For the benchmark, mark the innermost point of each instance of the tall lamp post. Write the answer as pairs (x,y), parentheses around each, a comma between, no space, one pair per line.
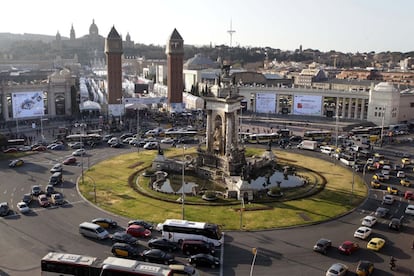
(254,251)
(81,126)
(182,185)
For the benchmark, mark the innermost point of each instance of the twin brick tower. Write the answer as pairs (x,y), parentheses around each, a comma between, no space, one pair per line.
(223,156)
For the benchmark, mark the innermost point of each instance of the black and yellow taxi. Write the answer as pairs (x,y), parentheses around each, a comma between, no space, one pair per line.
(364,268)
(375,184)
(125,250)
(105,222)
(16,163)
(405,182)
(392,190)
(378,176)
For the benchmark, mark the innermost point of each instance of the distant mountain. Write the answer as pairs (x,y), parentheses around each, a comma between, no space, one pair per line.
(7,39)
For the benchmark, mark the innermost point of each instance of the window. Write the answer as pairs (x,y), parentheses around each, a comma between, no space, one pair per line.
(60,105)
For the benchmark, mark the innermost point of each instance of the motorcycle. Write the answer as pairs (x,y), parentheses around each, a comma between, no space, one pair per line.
(392,263)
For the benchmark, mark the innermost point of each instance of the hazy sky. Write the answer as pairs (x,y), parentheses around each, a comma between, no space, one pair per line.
(342,25)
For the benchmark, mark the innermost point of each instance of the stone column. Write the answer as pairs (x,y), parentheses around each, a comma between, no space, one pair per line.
(209,131)
(349,108)
(355,115)
(228,133)
(361,116)
(343,108)
(5,106)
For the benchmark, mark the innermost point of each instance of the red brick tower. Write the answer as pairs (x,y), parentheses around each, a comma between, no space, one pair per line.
(175,57)
(113,51)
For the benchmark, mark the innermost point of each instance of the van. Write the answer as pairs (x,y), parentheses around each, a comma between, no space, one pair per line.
(327,149)
(92,230)
(192,247)
(56,178)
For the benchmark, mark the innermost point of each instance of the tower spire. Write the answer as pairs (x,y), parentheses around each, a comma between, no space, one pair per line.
(231,32)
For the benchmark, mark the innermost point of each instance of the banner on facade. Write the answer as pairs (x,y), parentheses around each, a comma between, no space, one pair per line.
(265,102)
(27,104)
(307,105)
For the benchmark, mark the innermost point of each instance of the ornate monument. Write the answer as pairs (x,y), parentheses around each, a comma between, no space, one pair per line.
(223,156)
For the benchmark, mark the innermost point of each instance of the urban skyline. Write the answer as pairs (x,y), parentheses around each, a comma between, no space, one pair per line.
(346,26)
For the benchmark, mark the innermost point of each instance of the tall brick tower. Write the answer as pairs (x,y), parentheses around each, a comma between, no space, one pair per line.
(113,51)
(175,57)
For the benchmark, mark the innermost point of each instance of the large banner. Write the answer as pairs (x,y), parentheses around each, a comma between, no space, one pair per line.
(28,104)
(265,102)
(307,105)
(116,109)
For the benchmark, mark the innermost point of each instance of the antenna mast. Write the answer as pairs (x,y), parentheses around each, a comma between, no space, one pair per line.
(231,32)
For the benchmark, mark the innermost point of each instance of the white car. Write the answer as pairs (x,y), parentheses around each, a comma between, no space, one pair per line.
(388,199)
(369,221)
(79,152)
(400,174)
(23,207)
(410,209)
(337,269)
(363,232)
(56,168)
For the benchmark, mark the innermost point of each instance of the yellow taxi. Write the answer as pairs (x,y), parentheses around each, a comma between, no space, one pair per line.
(376,244)
(378,176)
(105,222)
(406,161)
(375,184)
(405,182)
(392,190)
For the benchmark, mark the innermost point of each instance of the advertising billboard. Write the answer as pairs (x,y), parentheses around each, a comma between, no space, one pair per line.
(307,105)
(265,102)
(27,104)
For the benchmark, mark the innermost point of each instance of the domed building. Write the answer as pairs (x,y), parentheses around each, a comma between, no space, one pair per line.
(384,102)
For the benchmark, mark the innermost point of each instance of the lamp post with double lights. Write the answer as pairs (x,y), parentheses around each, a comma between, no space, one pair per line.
(182,185)
(82,127)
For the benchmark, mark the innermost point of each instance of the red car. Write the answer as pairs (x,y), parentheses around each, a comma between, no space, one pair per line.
(348,247)
(409,195)
(10,150)
(69,161)
(138,231)
(39,148)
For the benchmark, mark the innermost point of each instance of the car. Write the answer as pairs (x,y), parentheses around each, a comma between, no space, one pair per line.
(348,247)
(203,259)
(375,184)
(395,224)
(192,247)
(376,244)
(364,268)
(369,221)
(151,145)
(27,198)
(58,147)
(79,152)
(56,168)
(10,150)
(39,148)
(4,209)
(372,167)
(392,190)
(406,161)
(168,140)
(125,250)
(23,207)
(405,182)
(388,199)
(163,244)
(57,199)
(49,190)
(322,246)
(408,195)
(381,212)
(138,231)
(337,269)
(157,256)
(69,161)
(124,237)
(400,174)
(378,176)
(36,190)
(16,163)
(143,223)
(76,145)
(409,210)
(363,232)
(43,200)
(105,222)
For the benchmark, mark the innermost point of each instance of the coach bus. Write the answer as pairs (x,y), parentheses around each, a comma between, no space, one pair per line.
(318,135)
(178,230)
(64,264)
(262,138)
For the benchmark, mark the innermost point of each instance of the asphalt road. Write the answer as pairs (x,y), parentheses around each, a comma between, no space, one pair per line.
(25,239)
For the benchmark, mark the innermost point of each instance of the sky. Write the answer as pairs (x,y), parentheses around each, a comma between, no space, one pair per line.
(348,26)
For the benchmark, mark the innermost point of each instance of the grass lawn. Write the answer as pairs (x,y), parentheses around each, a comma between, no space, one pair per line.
(115,195)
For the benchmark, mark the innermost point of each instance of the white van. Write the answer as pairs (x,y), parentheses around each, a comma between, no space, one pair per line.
(92,230)
(327,150)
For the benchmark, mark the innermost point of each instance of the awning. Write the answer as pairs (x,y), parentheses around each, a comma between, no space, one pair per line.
(89,105)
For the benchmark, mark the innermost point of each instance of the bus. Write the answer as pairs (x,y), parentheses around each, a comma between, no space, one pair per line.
(318,135)
(85,138)
(65,264)
(262,138)
(15,143)
(178,230)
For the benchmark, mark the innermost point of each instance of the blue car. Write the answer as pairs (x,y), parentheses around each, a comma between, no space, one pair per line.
(58,147)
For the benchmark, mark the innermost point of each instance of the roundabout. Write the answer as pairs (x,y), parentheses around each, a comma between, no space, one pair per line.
(122,189)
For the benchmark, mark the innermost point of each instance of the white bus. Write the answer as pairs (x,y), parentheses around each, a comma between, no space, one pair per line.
(64,264)
(178,230)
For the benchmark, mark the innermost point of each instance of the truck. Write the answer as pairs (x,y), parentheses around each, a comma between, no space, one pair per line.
(308,145)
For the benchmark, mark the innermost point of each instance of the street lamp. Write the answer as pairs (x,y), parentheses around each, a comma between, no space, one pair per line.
(182,185)
(382,125)
(254,251)
(81,126)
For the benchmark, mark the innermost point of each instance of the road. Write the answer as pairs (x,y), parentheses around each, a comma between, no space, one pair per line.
(25,239)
